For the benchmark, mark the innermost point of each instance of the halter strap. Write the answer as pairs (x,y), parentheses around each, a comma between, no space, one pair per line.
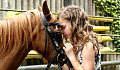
(45,25)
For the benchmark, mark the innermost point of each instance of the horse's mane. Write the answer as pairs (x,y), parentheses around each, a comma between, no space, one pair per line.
(18,31)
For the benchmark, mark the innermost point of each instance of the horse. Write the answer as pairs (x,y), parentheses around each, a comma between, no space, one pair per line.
(22,33)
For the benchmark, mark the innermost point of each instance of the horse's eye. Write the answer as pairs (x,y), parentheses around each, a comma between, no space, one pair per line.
(54,27)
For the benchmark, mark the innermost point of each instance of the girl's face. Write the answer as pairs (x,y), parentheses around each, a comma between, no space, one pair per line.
(65,28)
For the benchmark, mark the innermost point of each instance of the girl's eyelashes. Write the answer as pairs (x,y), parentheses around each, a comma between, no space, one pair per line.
(63,27)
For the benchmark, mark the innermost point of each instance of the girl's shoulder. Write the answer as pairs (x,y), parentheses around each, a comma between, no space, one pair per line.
(90,48)
(97,60)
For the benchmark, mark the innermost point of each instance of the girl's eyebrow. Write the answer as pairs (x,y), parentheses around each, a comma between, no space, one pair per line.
(63,25)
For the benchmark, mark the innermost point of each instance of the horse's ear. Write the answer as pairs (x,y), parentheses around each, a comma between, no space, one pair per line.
(39,8)
(45,8)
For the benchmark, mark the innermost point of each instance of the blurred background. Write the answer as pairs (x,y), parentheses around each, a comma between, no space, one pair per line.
(104,15)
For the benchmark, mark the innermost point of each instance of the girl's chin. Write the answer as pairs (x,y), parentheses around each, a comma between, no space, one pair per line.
(66,37)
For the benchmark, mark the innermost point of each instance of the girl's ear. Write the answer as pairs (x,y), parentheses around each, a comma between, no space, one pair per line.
(45,8)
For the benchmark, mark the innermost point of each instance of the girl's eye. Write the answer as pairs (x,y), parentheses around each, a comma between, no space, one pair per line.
(62,27)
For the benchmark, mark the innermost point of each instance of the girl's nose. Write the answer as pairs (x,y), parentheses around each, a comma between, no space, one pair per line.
(62,31)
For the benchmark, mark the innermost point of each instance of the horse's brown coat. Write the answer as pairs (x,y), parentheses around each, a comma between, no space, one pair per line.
(22,33)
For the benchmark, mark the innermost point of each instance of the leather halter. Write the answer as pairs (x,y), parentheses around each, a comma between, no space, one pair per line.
(48,30)
(60,57)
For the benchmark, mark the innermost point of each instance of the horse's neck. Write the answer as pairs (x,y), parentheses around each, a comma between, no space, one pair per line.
(13,59)
(18,35)
(14,42)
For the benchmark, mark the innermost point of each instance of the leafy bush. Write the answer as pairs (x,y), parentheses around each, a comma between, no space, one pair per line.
(111,8)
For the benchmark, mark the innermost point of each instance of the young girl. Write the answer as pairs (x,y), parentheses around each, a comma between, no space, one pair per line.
(82,47)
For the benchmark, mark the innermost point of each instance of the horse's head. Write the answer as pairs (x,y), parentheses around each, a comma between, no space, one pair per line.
(39,41)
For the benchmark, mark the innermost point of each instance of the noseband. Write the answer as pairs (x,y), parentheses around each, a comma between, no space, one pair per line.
(60,57)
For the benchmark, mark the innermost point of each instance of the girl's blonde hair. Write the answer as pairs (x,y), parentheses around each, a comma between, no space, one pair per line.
(80,27)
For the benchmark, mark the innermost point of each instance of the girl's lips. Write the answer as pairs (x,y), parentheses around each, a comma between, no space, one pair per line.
(64,35)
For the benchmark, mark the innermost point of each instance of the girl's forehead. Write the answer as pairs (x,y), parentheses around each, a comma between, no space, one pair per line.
(63,21)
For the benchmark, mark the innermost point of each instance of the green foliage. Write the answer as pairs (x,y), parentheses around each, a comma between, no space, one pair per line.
(111,8)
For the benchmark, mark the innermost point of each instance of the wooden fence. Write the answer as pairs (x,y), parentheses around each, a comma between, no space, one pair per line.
(55,5)
(111,57)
